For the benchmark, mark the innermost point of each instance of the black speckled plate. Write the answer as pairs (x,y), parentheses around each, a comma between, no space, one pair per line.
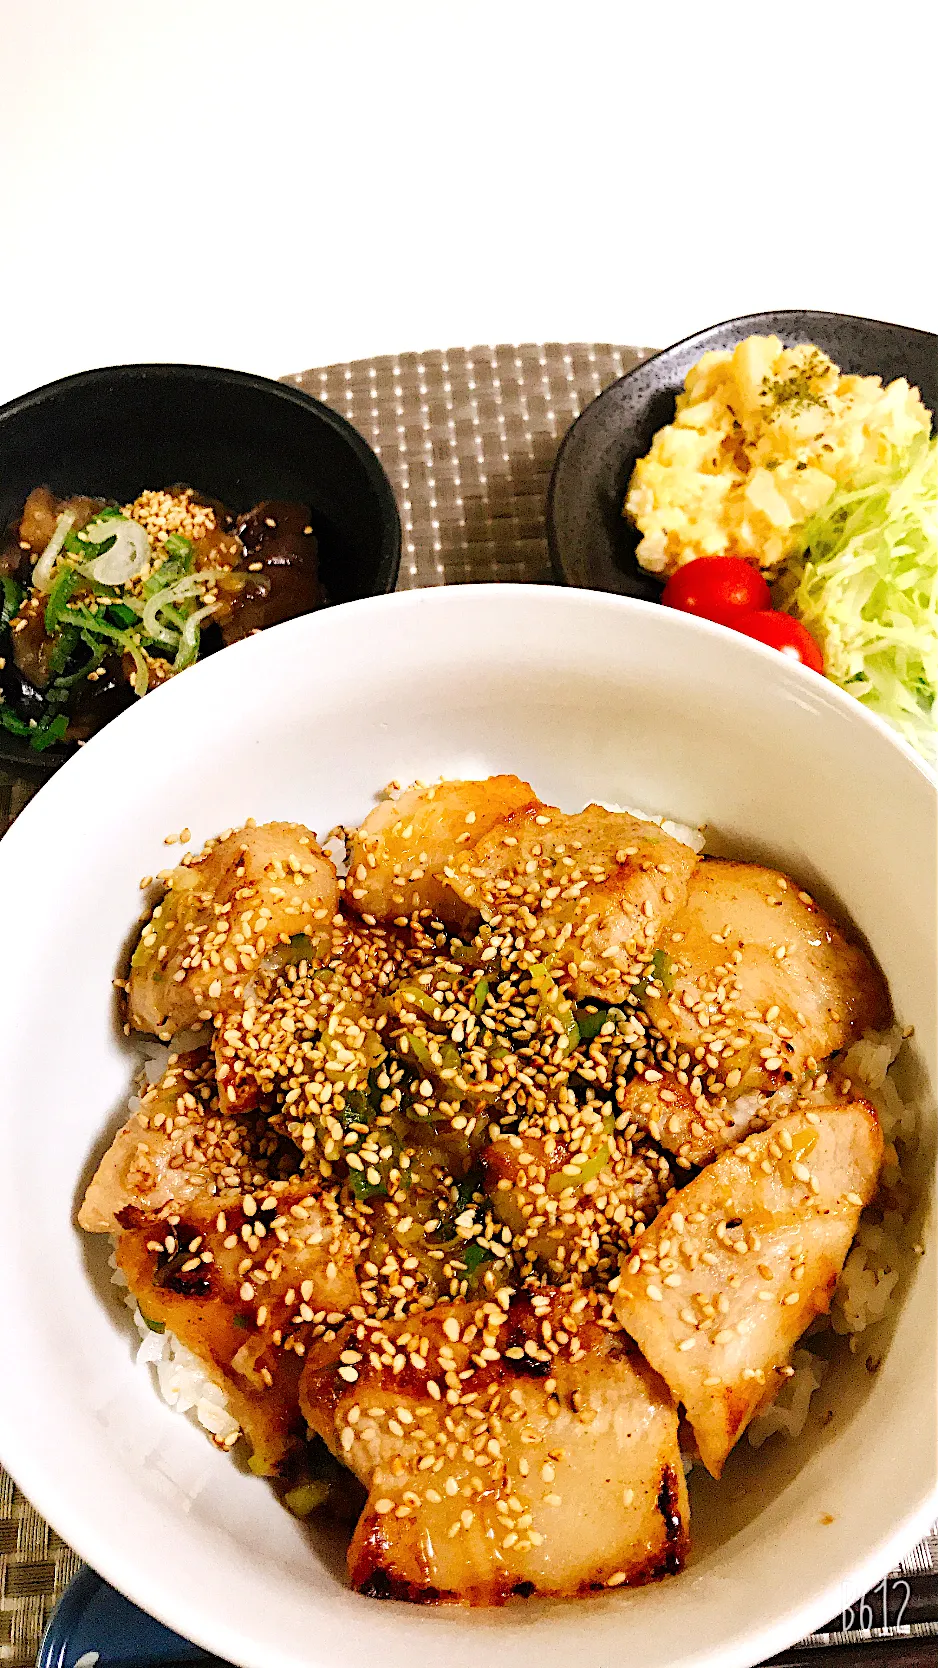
(591,543)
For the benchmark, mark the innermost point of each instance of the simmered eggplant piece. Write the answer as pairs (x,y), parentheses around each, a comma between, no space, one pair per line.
(280,567)
(41,512)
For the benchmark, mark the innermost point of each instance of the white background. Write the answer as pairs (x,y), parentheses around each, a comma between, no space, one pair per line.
(274,184)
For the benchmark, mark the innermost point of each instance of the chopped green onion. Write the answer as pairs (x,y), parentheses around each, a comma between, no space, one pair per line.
(74,545)
(363,1188)
(46,735)
(415,996)
(62,650)
(305,1499)
(175,567)
(155,1326)
(554,1003)
(128,549)
(119,614)
(466,954)
(64,646)
(140,682)
(10,721)
(42,572)
(419,1051)
(62,587)
(480,992)
(472,1184)
(474,1256)
(151,622)
(10,599)
(662,970)
(592,1166)
(188,650)
(589,1024)
(180,549)
(93,625)
(357,1109)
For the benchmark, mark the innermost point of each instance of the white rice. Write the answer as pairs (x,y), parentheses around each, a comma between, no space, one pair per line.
(180,1377)
(788,1413)
(683,831)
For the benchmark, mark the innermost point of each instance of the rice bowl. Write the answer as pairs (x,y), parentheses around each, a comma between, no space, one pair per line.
(229,1574)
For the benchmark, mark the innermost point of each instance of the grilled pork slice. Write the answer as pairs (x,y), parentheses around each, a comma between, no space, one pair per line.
(240,900)
(759,979)
(695,1127)
(573,1208)
(598,887)
(397,857)
(176,1147)
(719,1289)
(247,1282)
(518,1448)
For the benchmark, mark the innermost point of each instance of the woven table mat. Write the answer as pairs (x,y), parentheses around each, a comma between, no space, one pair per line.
(468,437)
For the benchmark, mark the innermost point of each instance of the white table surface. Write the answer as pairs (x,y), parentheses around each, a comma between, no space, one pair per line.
(272,184)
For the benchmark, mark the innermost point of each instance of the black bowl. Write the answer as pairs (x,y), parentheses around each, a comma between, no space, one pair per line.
(232,436)
(591,543)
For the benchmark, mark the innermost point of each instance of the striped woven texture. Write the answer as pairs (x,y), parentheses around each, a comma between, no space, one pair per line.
(468,437)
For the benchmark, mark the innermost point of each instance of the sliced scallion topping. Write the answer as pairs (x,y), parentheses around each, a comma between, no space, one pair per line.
(125,557)
(11,595)
(48,733)
(62,587)
(42,572)
(16,726)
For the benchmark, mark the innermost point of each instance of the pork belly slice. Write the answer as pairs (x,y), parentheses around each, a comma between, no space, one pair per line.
(718,1291)
(694,1127)
(247,1282)
(176,1147)
(597,888)
(551,1467)
(398,855)
(243,898)
(573,1222)
(758,980)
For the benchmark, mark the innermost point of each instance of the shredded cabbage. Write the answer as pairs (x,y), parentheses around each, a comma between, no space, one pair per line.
(863,580)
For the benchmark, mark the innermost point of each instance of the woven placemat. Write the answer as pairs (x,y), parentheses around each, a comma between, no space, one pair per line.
(468,437)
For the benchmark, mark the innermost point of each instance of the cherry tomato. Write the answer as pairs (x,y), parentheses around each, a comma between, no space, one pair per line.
(782,632)
(719,588)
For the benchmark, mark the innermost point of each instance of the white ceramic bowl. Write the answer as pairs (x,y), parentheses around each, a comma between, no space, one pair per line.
(588,696)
